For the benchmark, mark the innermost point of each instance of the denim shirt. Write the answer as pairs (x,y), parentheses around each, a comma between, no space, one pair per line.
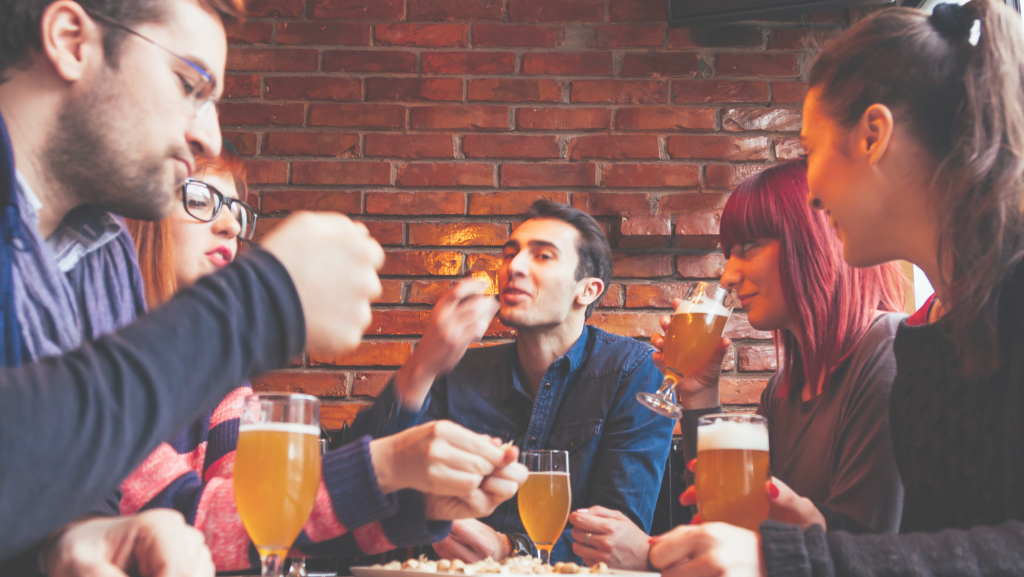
(586,405)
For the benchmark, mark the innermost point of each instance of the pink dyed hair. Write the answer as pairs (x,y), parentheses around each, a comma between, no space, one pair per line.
(832,303)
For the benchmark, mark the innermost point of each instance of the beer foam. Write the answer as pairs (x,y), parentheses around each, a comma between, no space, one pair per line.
(731,435)
(705,307)
(283,427)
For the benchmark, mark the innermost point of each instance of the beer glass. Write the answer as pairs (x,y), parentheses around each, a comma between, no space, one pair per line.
(545,498)
(277,471)
(732,468)
(690,342)
(298,564)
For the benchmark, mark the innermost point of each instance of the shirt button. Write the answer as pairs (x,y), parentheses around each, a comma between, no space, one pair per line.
(533,439)
(547,385)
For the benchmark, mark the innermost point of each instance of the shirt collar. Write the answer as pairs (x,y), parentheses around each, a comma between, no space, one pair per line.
(574,357)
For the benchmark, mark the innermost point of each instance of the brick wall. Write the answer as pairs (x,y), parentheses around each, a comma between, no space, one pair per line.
(437,122)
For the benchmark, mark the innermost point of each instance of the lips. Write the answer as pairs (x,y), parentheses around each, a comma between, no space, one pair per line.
(512,295)
(745,299)
(220,256)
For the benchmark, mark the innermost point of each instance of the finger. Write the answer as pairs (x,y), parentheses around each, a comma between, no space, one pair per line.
(593,524)
(589,555)
(689,496)
(499,490)
(692,465)
(678,545)
(676,303)
(665,321)
(466,288)
(469,442)
(452,549)
(474,535)
(608,513)
(697,519)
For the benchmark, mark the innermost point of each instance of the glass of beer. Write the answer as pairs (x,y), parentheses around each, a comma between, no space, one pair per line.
(732,468)
(690,342)
(277,471)
(545,498)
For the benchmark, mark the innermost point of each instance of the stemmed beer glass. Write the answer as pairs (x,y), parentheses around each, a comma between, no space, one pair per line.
(690,342)
(545,498)
(277,471)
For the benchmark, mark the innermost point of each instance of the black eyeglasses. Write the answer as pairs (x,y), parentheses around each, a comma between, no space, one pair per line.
(203,202)
(197,84)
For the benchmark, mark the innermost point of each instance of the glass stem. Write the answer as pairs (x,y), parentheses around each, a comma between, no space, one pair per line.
(273,565)
(545,555)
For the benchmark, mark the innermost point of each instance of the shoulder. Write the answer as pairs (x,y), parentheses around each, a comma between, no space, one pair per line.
(609,353)
(873,363)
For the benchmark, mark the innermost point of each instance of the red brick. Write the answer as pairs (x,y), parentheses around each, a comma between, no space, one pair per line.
(369,353)
(771,119)
(321,200)
(266,171)
(410,145)
(415,203)
(788,148)
(386,233)
(638,11)
(428,292)
(612,204)
(788,92)
(688,201)
(461,116)
(329,33)
(251,113)
(469,62)
(438,175)
(357,115)
(318,383)
(800,38)
(423,263)
(739,328)
(661,175)
(757,359)
(370,383)
(613,147)
(457,234)
(244,142)
(501,146)
(701,266)
(314,88)
(515,90)
(336,415)
(503,35)
(718,147)
(413,89)
(729,175)
(538,175)
(698,223)
(398,322)
(369,61)
(705,91)
(274,8)
(272,60)
(626,324)
(748,64)
(670,118)
(335,144)
(559,11)
(619,92)
(654,296)
(729,362)
(563,118)
(391,292)
(568,63)
(483,263)
(642,266)
(680,38)
(358,9)
(506,203)
(659,64)
(643,231)
(422,35)
(241,85)
(613,297)
(454,10)
(627,36)
(345,172)
(742,391)
(250,33)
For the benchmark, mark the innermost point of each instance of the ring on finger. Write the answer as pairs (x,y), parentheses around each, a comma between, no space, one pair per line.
(587,540)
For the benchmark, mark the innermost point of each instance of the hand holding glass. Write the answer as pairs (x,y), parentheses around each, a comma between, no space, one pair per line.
(545,498)
(732,469)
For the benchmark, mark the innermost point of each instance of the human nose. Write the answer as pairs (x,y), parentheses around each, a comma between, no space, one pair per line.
(732,277)
(226,224)
(517,265)
(203,134)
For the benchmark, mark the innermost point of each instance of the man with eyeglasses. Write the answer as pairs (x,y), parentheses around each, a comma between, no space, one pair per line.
(104,105)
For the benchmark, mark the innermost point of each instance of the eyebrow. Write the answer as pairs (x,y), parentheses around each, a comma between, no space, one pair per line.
(532,244)
(198,61)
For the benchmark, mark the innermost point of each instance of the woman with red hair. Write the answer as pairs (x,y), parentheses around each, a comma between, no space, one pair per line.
(827,405)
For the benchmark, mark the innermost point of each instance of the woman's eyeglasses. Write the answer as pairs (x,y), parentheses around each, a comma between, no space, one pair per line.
(203,202)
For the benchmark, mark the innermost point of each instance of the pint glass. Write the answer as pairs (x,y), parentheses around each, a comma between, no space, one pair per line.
(690,342)
(545,498)
(277,471)
(732,468)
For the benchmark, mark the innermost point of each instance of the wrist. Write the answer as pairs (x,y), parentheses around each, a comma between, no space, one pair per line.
(412,383)
(706,398)
(382,458)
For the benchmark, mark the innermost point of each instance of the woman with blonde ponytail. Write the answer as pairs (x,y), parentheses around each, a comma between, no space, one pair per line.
(914,133)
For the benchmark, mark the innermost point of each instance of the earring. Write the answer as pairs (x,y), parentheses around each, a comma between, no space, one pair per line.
(816,203)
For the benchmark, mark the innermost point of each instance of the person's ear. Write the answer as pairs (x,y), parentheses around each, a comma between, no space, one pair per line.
(72,41)
(874,133)
(588,290)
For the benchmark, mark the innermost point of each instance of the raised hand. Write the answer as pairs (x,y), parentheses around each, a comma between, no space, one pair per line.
(698,390)
(495,489)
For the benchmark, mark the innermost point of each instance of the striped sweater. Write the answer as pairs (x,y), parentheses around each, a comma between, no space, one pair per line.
(192,474)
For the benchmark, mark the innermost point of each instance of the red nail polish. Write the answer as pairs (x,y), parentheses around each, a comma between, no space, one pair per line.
(773,491)
(692,464)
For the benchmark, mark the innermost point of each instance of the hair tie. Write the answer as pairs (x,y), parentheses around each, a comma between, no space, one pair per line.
(956,23)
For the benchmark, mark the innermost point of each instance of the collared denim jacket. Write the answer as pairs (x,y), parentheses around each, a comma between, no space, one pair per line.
(586,405)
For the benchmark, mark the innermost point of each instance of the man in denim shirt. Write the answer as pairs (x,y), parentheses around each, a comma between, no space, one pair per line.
(561,385)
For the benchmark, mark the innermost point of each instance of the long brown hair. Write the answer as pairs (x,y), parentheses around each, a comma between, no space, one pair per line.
(964,102)
(153,242)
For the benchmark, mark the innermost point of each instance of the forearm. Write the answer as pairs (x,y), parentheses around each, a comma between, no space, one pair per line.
(95,413)
(412,383)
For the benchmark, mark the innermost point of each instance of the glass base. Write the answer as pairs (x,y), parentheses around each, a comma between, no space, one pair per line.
(663,404)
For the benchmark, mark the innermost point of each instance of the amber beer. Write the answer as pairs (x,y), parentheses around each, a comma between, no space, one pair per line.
(693,336)
(732,468)
(544,502)
(277,472)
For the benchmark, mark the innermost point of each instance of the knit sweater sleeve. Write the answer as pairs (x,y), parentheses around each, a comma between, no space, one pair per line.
(978,551)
